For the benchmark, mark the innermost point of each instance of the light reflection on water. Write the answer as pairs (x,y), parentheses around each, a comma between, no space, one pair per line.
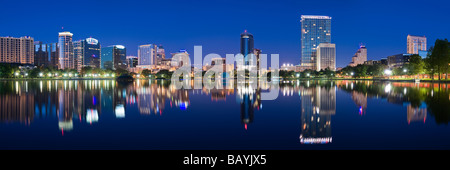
(307,109)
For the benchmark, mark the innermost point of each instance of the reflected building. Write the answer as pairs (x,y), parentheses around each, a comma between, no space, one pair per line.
(318,105)
(415,114)
(151,96)
(15,106)
(360,100)
(249,99)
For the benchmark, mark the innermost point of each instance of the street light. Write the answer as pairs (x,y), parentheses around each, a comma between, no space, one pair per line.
(388,72)
(41,74)
(352,73)
(404,70)
(298,75)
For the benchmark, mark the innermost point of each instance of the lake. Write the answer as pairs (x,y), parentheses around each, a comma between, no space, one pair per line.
(154,115)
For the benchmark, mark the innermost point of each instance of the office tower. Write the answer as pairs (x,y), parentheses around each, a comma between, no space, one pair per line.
(179,55)
(42,54)
(78,54)
(415,44)
(114,57)
(247,43)
(257,53)
(17,50)
(326,56)
(147,54)
(132,61)
(360,56)
(87,53)
(160,54)
(315,30)
(65,46)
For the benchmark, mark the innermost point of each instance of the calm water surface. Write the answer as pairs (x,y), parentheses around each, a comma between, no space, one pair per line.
(150,114)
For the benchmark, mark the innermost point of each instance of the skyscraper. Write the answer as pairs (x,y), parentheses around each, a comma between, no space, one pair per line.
(247,49)
(247,43)
(147,54)
(114,57)
(415,44)
(87,53)
(315,30)
(360,56)
(65,46)
(160,54)
(326,56)
(132,61)
(17,50)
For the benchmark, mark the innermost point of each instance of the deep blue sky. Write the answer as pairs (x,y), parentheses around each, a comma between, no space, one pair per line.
(216,24)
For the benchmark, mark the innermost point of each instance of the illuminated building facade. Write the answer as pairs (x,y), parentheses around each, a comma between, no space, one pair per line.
(326,56)
(66,55)
(46,54)
(17,50)
(114,57)
(416,44)
(360,56)
(87,53)
(315,30)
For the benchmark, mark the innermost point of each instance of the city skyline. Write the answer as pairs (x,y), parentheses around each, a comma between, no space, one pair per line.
(218,33)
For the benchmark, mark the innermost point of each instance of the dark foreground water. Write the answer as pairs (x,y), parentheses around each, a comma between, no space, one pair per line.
(147,114)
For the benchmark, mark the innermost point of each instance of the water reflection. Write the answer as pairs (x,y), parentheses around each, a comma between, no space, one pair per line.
(87,100)
(318,102)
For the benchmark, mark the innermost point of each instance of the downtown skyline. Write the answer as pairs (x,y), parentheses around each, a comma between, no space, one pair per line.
(384,34)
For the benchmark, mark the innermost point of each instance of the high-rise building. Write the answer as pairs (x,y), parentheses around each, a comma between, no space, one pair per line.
(315,30)
(326,56)
(160,54)
(247,43)
(87,53)
(65,47)
(46,54)
(360,56)
(179,55)
(114,57)
(17,50)
(247,49)
(132,61)
(415,44)
(147,54)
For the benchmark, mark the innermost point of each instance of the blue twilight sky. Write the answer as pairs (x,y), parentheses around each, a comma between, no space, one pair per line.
(381,25)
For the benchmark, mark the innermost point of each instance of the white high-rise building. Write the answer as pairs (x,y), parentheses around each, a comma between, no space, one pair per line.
(147,54)
(66,55)
(415,44)
(326,56)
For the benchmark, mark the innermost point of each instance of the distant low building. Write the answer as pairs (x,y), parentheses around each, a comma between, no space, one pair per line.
(288,67)
(372,62)
(395,61)
(360,56)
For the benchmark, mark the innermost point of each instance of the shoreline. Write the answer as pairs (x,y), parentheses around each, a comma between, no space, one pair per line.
(289,79)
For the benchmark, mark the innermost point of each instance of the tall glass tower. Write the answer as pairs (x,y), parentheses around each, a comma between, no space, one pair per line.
(247,45)
(315,30)
(66,56)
